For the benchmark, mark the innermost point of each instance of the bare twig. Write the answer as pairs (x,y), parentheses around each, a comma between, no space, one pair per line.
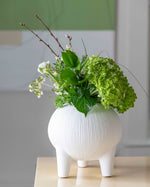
(84,47)
(136,80)
(70,38)
(49,31)
(22,24)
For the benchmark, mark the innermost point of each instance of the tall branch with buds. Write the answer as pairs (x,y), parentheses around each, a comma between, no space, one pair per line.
(70,38)
(41,40)
(49,31)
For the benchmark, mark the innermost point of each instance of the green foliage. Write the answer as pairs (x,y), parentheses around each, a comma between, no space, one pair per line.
(62,100)
(112,86)
(70,58)
(83,84)
(68,76)
(83,101)
(35,86)
(73,84)
(84,61)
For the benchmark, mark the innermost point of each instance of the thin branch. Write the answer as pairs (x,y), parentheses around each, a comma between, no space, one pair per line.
(22,24)
(84,47)
(70,38)
(136,80)
(47,85)
(49,31)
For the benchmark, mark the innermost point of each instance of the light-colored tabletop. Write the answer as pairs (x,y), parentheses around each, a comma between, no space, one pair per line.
(128,172)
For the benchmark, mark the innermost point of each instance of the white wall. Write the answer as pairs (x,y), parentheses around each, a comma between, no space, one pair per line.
(23,136)
(133,52)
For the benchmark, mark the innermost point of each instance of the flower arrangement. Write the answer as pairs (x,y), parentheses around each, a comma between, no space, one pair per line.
(83,83)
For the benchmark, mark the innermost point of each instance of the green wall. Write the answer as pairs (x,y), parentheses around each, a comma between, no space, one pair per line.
(58,14)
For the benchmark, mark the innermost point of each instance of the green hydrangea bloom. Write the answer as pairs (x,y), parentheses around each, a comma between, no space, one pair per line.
(113,87)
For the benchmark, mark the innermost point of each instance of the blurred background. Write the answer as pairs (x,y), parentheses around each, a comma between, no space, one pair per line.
(114,28)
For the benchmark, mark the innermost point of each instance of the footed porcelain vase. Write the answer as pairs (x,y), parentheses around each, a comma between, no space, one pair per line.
(81,138)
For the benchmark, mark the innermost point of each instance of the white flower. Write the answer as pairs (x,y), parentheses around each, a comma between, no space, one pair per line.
(54,73)
(43,80)
(30,86)
(39,70)
(57,58)
(67,47)
(38,96)
(45,71)
(58,93)
(66,35)
(39,86)
(40,79)
(56,85)
(31,90)
(42,66)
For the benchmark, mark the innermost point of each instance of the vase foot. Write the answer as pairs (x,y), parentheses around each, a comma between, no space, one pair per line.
(63,163)
(82,164)
(107,163)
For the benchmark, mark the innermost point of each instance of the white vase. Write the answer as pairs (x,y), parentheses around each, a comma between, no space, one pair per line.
(81,138)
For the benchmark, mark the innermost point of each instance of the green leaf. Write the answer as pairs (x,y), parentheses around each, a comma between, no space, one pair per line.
(83,92)
(69,77)
(62,100)
(83,63)
(71,59)
(72,91)
(83,104)
(84,80)
(84,47)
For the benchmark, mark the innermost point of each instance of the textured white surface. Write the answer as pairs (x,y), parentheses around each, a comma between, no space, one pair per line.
(84,138)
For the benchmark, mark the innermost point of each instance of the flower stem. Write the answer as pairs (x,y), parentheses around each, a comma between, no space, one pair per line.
(47,85)
(54,77)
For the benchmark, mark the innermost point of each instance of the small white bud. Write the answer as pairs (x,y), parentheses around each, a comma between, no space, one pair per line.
(30,90)
(42,66)
(57,58)
(30,86)
(54,73)
(56,85)
(40,86)
(67,47)
(38,96)
(58,93)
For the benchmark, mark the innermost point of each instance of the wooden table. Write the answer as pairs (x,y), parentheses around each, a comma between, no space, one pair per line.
(128,172)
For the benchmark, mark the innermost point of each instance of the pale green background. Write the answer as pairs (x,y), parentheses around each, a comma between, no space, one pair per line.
(58,14)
